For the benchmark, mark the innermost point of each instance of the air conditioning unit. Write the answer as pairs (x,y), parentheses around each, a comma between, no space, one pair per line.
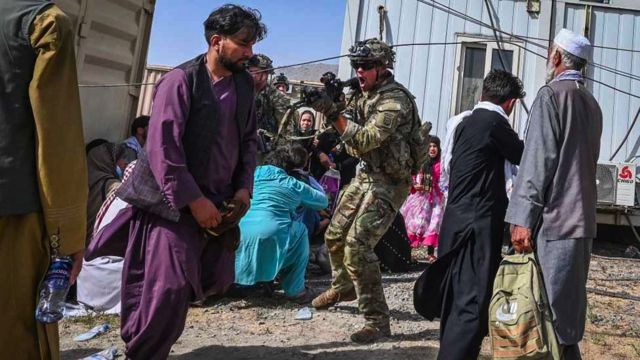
(616,184)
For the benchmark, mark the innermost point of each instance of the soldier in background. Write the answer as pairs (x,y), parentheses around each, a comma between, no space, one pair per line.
(378,132)
(271,104)
(281,83)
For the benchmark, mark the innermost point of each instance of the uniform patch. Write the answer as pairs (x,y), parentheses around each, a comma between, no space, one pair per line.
(387,121)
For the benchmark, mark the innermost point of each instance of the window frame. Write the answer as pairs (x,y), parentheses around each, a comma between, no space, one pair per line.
(465,41)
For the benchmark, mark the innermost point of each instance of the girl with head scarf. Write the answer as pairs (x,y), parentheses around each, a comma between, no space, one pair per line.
(422,210)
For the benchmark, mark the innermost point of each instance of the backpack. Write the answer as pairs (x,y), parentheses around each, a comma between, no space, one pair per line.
(419,141)
(520,319)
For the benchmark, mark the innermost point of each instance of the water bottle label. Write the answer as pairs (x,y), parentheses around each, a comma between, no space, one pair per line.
(58,274)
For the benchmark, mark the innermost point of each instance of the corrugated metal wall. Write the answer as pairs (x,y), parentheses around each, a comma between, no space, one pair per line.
(429,71)
(152,73)
(619,29)
(112,37)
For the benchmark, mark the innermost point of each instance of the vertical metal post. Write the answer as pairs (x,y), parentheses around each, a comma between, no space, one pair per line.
(381,12)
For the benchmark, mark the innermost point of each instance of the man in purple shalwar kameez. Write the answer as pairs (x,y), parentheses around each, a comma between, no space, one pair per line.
(200,151)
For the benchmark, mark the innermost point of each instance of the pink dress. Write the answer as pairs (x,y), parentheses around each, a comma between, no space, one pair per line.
(422,212)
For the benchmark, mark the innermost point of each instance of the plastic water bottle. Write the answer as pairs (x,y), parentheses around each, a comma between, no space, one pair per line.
(53,292)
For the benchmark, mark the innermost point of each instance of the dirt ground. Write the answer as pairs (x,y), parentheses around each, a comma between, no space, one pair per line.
(265,328)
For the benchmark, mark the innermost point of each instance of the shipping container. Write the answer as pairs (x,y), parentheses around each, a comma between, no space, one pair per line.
(112,38)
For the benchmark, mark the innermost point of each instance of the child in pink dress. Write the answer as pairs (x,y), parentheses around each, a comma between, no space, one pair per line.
(423,209)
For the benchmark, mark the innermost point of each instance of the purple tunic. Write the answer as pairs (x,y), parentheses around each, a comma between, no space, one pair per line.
(166,154)
(169,264)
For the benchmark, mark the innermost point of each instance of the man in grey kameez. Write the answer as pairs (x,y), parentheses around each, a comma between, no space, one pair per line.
(554,195)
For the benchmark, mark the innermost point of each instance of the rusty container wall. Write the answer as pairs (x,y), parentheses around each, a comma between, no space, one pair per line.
(152,75)
(112,38)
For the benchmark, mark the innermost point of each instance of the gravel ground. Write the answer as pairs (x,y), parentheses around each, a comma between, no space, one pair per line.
(265,328)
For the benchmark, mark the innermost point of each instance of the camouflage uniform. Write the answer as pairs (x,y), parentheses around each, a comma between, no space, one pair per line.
(378,134)
(271,106)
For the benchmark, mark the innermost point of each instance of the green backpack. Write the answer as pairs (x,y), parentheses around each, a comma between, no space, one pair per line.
(520,319)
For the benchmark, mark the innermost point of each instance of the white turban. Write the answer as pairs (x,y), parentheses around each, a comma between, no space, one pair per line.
(573,43)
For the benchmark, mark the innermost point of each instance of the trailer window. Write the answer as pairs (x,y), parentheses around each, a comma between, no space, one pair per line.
(476,58)
(472,76)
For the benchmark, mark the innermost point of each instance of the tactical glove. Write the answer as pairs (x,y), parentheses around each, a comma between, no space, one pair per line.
(326,106)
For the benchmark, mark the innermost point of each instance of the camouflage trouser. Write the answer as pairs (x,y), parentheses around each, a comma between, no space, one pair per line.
(364,213)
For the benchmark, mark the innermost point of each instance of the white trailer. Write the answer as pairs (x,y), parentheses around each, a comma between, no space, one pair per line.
(445,75)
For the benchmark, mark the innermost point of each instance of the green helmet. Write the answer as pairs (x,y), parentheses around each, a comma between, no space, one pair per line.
(372,50)
(261,61)
(281,79)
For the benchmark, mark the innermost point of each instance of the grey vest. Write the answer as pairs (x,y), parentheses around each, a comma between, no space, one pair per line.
(18,180)
(141,188)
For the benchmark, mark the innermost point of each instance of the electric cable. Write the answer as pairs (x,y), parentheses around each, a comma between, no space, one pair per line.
(626,136)
(466,17)
(500,50)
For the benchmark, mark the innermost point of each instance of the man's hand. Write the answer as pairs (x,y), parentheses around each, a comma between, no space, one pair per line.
(326,161)
(521,239)
(244,198)
(205,213)
(77,257)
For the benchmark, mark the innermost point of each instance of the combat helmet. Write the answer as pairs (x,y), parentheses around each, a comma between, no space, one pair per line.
(372,50)
(261,61)
(281,79)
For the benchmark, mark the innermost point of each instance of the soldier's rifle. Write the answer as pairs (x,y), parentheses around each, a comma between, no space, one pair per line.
(333,87)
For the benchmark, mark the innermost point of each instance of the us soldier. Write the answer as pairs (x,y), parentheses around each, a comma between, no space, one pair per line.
(271,104)
(281,83)
(378,132)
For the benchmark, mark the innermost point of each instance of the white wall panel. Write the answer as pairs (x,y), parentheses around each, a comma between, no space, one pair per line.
(428,71)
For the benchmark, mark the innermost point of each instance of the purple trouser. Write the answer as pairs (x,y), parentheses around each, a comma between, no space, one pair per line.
(167,265)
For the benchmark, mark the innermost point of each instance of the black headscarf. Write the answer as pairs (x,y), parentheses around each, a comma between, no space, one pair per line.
(427,167)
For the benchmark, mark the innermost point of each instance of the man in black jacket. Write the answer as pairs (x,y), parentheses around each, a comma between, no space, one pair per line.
(473,222)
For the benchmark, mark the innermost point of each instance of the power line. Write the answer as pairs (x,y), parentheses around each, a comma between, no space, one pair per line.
(500,56)
(626,136)
(445,43)
(300,64)
(523,47)
(593,45)
(113,85)
(454,12)
(435,4)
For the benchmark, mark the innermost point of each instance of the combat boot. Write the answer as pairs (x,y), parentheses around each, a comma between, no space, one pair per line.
(332,297)
(370,334)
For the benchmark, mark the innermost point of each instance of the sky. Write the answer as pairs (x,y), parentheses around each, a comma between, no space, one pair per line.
(298,30)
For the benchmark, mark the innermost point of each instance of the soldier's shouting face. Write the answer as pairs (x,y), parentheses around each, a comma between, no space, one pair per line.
(368,74)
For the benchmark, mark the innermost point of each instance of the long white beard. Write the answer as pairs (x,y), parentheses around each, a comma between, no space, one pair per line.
(551,71)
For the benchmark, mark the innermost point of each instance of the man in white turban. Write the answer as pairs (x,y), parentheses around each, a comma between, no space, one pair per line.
(553,204)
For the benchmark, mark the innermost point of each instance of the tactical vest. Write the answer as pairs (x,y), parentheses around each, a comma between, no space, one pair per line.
(18,179)
(393,157)
(141,189)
